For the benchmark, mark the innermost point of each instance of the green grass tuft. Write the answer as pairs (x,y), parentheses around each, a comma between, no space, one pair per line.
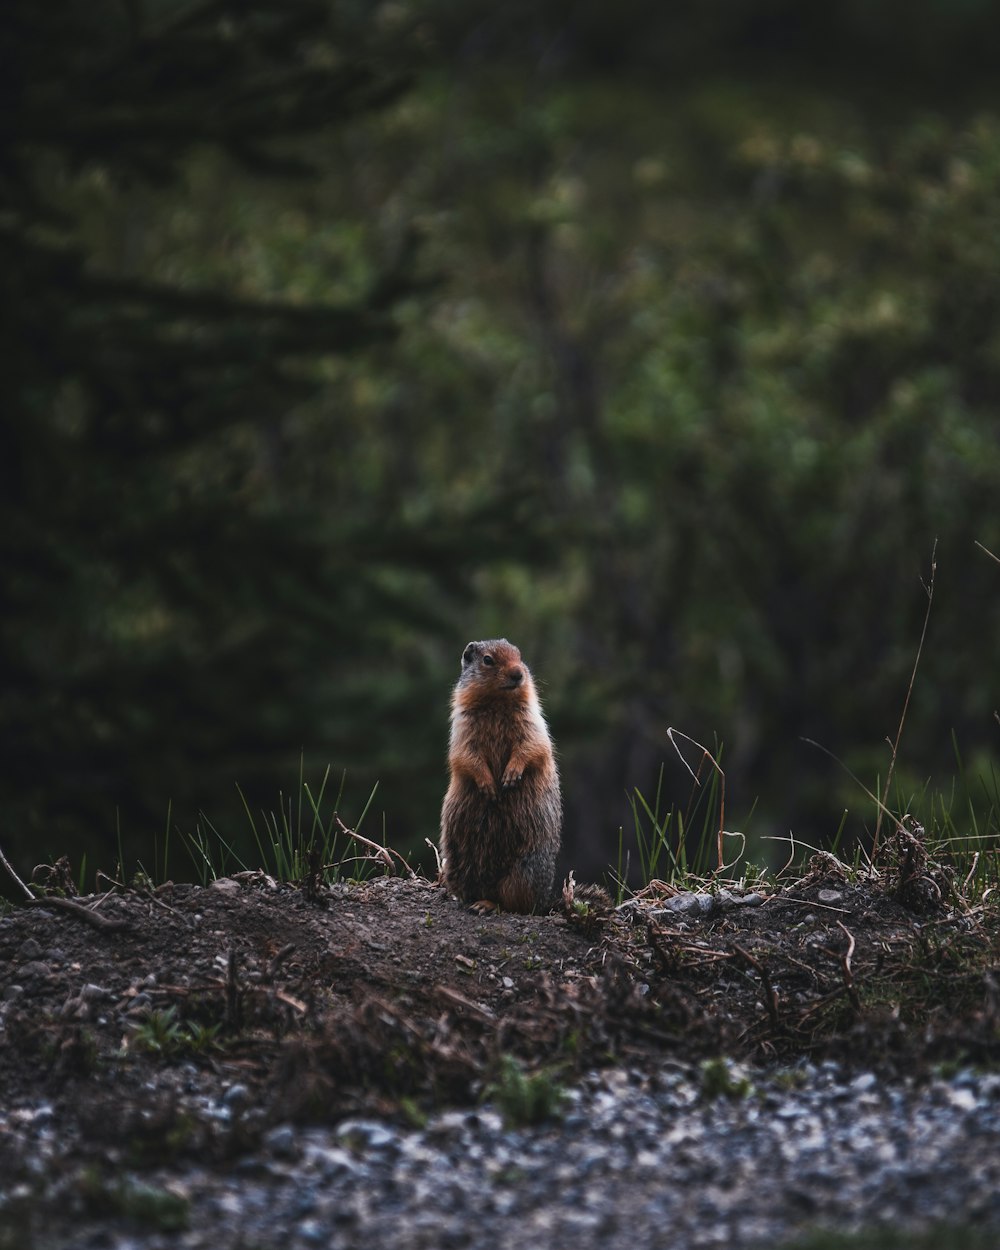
(525,1100)
(302,839)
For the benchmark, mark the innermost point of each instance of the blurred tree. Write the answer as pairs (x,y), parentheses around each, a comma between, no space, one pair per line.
(734,327)
(178,614)
(713,320)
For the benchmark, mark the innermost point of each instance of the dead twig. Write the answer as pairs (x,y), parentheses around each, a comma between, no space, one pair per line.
(808,902)
(7,864)
(987,550)
(929,590)
(382,853)
(313,879)
(105,923)
(848,972)
(770,996)
(971,873)
(296,1003)
(151,897)
(456,999)
(278,959)
(707,754)
(437,857)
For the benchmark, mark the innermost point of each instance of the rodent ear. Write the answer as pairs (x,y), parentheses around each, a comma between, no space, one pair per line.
(470,653)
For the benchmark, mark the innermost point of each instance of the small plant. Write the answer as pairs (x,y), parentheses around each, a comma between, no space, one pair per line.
(682,849)
(145,1204)
(721,1078)
(161,1032)
(154,1207)
(524,1100)
(413,1113)
(296,841)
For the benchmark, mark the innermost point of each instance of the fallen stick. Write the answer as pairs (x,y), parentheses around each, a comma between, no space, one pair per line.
(382,853)
(7,864)
(94,918)
(848,971)
(770,997)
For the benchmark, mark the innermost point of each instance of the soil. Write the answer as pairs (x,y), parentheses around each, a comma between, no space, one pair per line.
(132,1017)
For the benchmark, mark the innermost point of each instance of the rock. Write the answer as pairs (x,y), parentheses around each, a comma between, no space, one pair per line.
(368,1134)
(686,905)
(226,885)
(237,1095)
(282,1141)
(33,970)
(682,904)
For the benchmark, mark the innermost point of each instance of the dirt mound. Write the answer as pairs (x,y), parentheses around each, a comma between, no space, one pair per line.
(390,996)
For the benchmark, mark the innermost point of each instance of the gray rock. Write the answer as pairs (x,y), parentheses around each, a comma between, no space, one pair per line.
(680,904)
(282,1141)
(367,1134)
(226,885)
(35,969)
(236,1095)
(637,1153)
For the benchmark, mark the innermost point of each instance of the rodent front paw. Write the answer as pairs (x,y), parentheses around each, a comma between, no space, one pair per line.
(510,780)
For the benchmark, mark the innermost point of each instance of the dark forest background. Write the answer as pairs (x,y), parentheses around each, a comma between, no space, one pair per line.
(663,340)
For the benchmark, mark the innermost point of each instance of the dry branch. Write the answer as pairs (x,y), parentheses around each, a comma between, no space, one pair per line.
(383,854)
(7,864)
(104,923)
(845,964)
(770,996)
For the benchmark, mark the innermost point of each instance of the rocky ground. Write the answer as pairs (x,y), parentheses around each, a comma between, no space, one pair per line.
(254,1065)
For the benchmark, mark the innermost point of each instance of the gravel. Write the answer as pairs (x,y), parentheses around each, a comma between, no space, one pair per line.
(636,1161)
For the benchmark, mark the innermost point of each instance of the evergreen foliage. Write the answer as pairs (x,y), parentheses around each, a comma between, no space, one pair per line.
(663,341)
(178,612)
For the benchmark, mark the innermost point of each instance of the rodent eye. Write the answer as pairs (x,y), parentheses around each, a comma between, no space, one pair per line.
(489,661)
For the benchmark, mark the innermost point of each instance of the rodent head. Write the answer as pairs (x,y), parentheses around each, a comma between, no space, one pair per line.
(494,665)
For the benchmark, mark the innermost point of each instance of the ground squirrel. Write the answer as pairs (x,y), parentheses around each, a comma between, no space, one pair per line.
(502,814)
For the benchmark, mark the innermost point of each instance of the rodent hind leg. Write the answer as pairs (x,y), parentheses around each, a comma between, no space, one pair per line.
(484,907)
(518,892)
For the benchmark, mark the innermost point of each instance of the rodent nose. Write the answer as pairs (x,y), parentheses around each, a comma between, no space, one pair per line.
(515,676)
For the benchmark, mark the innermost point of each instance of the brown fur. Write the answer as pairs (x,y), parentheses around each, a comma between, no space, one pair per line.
(502,815)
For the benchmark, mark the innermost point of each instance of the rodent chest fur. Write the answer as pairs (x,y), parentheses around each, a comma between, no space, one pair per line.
(502,814)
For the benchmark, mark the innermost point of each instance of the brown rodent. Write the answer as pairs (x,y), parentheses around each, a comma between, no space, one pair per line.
(502,815)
